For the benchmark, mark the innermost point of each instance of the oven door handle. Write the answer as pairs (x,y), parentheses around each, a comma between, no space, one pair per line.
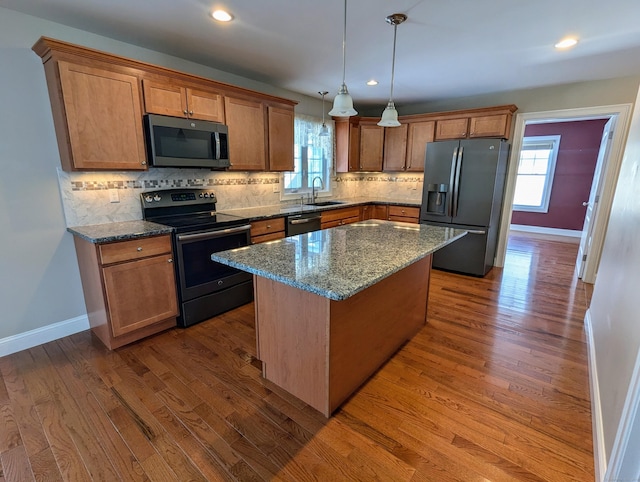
(213,234)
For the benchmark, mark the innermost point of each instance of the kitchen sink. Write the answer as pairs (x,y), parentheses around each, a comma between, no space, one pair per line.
(325,203)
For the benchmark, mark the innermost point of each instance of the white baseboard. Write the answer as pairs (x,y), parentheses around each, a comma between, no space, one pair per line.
(29,339)
(572,233)
(599,452)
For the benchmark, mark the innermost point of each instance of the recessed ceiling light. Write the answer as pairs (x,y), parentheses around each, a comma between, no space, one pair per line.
(372,82)
(221,16)
(566,43)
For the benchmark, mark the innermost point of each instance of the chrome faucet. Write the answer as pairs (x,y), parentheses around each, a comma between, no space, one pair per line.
(313,188)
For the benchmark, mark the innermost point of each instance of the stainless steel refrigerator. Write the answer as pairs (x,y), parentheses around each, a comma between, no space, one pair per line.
(463,188)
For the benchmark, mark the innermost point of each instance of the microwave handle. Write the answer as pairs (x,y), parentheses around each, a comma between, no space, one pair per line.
(216,143)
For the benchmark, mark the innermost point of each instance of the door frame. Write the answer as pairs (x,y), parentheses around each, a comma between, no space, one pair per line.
(610,170)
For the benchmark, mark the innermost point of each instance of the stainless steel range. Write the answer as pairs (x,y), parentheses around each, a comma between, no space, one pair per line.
(205,288)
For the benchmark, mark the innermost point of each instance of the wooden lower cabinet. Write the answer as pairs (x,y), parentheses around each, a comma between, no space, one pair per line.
(405,214)
(267,230)
(129,288)
(339,217)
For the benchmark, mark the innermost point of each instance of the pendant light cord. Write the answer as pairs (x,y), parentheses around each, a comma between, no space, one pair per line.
(344,45)
(393,60)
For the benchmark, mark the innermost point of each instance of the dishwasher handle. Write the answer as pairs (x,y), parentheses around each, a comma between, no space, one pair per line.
(303,220)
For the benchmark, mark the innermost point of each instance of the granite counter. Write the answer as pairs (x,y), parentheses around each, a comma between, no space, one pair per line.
(338,263)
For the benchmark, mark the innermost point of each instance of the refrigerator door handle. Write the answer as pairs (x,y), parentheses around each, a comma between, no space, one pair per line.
(452,181)
(475,231)
(456,181)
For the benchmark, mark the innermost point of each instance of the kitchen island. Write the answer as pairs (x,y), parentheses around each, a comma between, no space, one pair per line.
(333,305)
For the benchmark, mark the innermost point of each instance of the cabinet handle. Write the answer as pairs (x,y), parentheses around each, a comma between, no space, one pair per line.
(185,112)
(268,226)
(139,248)
(144,163)
(402,211)
(170,260)
(190,112)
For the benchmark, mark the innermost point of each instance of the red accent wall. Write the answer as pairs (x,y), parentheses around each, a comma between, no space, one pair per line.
(576,163)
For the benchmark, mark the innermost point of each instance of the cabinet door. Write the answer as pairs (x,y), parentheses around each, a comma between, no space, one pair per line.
(247,134)
(380,211)
(280,139)
(205,105)
(164,98)
(489,126)
(137,293)
(452,129)
(419,134)
(103,115)
(371,147)
(395,148)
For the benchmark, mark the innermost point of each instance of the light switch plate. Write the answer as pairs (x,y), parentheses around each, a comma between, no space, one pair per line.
(114,197)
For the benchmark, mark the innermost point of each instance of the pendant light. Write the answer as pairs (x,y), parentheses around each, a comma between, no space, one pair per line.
(343,103)
(324,130)
(390,114)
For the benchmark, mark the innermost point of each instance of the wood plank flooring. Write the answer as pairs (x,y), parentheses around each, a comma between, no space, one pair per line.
(495,388)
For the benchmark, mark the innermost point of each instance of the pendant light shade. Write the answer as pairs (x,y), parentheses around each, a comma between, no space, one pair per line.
(343,103)
(324,130)
(390,114)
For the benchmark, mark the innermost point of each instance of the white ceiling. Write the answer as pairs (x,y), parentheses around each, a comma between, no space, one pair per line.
(446,48)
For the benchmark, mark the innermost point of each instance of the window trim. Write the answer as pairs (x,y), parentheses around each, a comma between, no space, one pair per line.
(549,176)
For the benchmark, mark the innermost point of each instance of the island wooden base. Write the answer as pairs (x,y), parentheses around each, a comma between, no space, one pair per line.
(321,350)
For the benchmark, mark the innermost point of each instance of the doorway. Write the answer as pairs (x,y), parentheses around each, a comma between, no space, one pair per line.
(608,175)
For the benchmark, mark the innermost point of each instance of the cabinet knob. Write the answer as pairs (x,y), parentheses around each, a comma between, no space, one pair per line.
(402,211)
(185,112)
(170,260)
(268,226)
(144,163)
(139,248)
(190,112)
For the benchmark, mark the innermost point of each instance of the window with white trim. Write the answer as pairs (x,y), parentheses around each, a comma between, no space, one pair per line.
(313,157)
(535,173)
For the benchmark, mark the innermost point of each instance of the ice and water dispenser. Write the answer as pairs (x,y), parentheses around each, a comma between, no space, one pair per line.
(437,198)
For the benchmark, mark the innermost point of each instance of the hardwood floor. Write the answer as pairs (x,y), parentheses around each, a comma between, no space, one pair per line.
(495,388)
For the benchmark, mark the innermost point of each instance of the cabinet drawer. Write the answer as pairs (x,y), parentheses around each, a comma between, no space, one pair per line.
(263,238)
(338,214)
(134,249)
(268,226)
(404,212)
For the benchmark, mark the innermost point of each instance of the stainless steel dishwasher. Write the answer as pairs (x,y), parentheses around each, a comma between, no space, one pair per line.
(302,223)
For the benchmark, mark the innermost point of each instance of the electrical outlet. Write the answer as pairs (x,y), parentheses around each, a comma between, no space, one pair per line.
(276,188)
(114,197)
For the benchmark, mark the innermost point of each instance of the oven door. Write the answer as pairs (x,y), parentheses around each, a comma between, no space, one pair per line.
(198,275)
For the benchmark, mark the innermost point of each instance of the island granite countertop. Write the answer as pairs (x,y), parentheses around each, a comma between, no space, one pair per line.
(339,262)
(107,233)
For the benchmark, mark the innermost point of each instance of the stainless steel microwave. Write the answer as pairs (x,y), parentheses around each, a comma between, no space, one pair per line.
(176,142)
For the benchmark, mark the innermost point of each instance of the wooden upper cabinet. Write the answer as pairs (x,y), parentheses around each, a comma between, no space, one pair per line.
(98,117)
(280,138)
(371,147)
(452,129)
(168,98)
(419,134)
(246,120)
(490,126)
(347,134)
(395,148)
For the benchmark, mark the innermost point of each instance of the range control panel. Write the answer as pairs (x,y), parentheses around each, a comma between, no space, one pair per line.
(177,197)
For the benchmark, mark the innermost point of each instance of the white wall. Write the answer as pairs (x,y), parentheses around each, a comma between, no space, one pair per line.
(615,307)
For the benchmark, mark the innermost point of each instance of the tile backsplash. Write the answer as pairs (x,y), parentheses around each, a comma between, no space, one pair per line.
(87,196)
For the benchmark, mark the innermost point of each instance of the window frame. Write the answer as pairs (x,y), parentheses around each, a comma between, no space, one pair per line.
(554,140)
(305,126)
